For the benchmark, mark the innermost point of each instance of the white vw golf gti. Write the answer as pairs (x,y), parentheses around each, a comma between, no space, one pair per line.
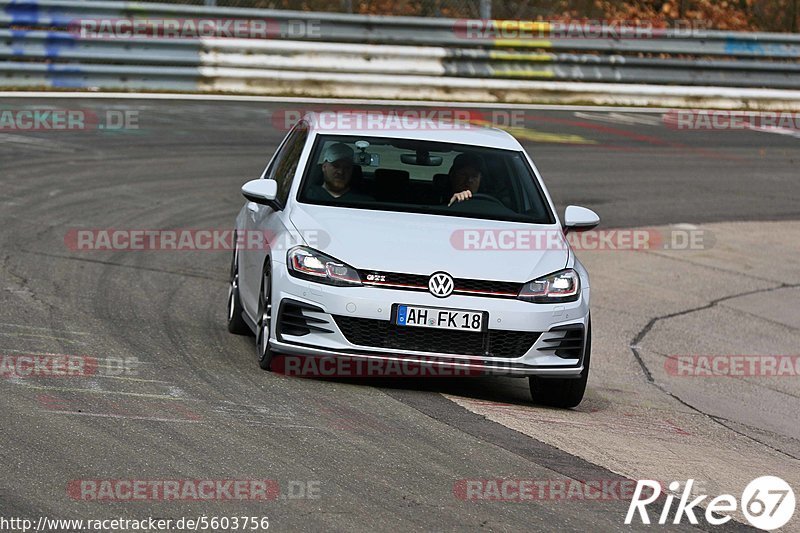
(437,246)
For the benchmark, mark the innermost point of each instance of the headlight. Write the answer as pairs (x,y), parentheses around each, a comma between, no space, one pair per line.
(307,263)
(562,286)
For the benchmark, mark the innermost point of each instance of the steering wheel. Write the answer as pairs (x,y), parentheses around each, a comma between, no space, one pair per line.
(481,196)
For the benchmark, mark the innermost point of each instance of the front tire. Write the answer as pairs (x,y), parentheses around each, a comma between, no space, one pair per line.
(563,392)
(236,323)
(263,326)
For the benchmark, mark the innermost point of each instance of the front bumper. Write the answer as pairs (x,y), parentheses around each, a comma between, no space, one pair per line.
(553,326)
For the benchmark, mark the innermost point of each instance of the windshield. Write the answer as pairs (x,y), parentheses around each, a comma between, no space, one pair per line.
(424,177)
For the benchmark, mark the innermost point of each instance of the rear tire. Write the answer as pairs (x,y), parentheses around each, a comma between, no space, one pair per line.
(563,392)
(236,323)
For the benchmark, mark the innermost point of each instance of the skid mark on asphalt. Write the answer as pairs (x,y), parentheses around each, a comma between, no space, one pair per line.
(24,335)
(42,328)
(128,417)
(83,374)
(126,397)
(163,410)
(24,332)
(138,380)
(280,416)
(163,401)
(332,415)
(104,392)
(255,414)
(182,273)
(156,411)
(114,360)
(92,368)
(35,144)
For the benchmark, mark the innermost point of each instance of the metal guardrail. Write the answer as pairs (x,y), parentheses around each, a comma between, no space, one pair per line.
(416,30)
(41,45)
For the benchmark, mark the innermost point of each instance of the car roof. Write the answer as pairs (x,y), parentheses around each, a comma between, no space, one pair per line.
(406,126)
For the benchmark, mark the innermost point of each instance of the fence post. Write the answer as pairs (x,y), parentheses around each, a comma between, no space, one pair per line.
(486,9)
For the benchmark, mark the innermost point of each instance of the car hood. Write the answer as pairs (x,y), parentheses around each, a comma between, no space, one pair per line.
(416,243)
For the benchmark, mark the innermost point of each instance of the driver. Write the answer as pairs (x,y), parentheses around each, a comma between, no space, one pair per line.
(465,177)
(337,172)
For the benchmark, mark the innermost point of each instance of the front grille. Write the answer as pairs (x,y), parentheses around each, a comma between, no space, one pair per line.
(410,281)
(500,287)
(384,334)
(419,282)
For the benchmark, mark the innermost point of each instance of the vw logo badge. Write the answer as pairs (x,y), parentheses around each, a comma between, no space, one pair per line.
(441,285)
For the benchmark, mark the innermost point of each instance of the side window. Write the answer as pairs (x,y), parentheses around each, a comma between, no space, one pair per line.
(284,167)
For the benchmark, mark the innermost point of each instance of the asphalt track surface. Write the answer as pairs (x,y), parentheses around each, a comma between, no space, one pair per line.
(385,454)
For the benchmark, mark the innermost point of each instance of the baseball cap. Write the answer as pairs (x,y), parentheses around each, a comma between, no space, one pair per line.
(338,151)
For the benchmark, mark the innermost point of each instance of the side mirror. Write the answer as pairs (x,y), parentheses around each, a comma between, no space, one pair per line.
(578,218)
(262,192)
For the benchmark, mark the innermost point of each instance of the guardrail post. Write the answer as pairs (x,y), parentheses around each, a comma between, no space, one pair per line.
(486,9)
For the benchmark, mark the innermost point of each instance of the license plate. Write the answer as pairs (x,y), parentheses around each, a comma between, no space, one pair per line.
(436,317)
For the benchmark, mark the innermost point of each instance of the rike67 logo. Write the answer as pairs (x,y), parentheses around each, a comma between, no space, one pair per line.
(767,502)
